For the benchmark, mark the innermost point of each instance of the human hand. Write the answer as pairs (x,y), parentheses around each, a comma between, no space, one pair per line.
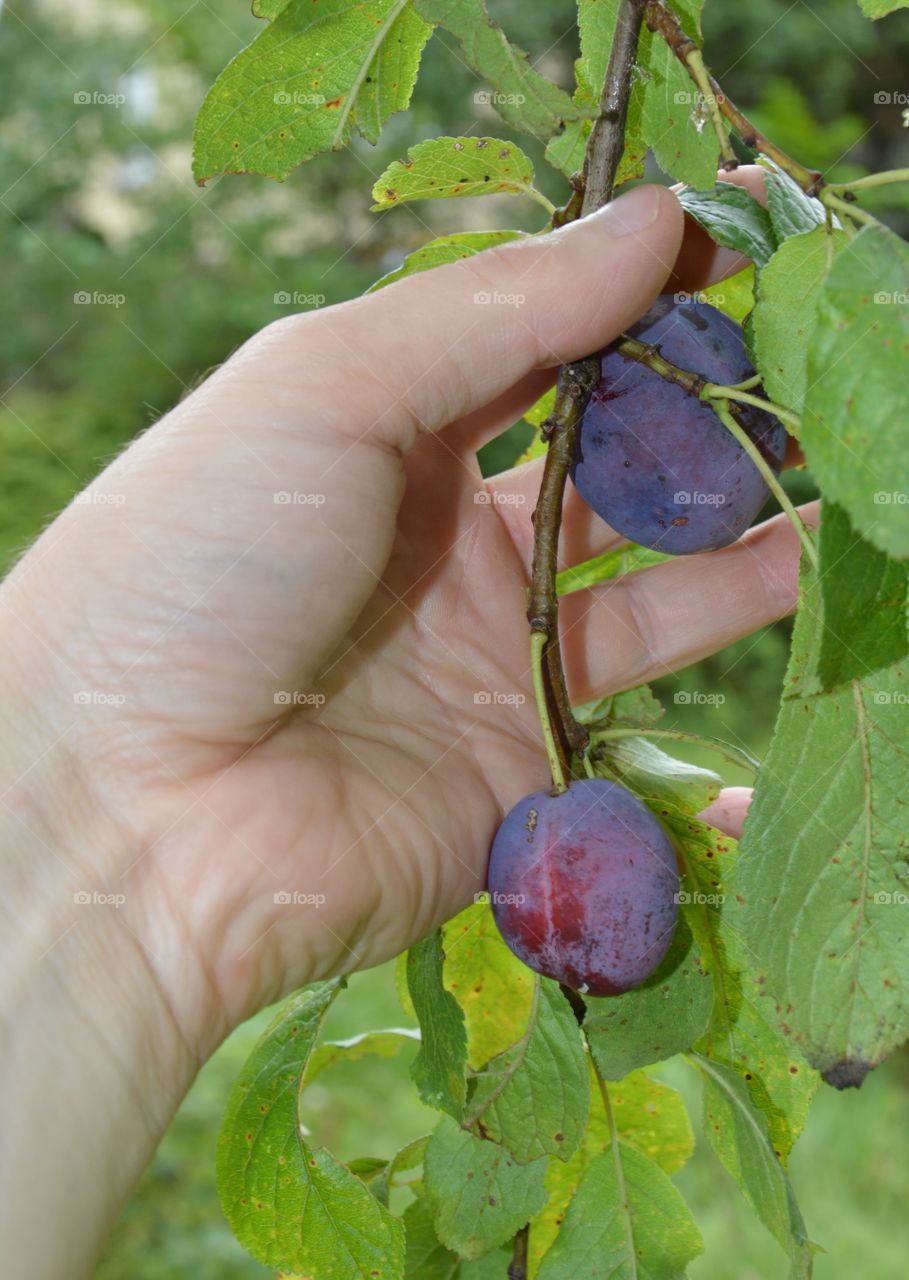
(279,697)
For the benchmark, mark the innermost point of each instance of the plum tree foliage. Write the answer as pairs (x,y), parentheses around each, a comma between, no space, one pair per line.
(647,933)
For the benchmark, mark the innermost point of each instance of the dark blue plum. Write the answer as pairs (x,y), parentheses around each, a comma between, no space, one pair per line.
(653,460)
(584,886)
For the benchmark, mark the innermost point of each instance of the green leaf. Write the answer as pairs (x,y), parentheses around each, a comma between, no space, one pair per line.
(738,1133)
(626,1220)
(613,564)
(523,97)
(293,1207)
(428,1259)
(675,122)
(655,1021)
(638,706)
(864,596)
(480,1196)
(444,167)
(382,1044)
(410,1157)
(440,1068)
(740,1032)
(784,316)
(533,1098)
(648,1115)
(268,8)
(652,1117)
(735,296)
(823,868)
(493,988)
(296,90)
(857,404)
(392,74)
(734,219)
(880,8)
(661,780)
(792,211)
(453,248)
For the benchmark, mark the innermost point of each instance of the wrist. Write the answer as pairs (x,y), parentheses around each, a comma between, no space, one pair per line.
(94,1058)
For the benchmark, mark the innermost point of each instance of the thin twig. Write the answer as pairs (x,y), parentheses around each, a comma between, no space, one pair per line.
(517,1268)
(605,146)
(662,21)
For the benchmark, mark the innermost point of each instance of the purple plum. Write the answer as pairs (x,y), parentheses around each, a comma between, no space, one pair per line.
(653,460)
(584,886)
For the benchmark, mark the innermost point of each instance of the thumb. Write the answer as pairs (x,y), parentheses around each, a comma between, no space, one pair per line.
(433,347)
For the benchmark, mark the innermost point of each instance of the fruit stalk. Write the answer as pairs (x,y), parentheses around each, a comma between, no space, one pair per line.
(576,381)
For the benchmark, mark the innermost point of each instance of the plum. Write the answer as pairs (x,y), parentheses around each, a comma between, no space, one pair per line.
(653,460)
(584,886)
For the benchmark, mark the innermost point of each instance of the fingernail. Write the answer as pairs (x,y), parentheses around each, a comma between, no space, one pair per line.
(632,212)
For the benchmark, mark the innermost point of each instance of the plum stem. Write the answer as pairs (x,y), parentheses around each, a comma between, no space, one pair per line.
(747,385)
(662,21)
(537,649)
(882,179)
(712,391)
(722,410)
(592,190)
(735,754)
(697,69)
(847,210)
(536,194)
(588,765)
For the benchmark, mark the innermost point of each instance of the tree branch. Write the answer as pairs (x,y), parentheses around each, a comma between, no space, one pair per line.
(605,146)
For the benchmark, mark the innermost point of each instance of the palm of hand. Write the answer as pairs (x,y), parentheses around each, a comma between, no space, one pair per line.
(339,833)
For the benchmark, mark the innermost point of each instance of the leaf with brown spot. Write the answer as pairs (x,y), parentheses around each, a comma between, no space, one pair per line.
(455,167)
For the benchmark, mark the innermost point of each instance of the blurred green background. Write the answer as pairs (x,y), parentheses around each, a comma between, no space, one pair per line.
(96,109)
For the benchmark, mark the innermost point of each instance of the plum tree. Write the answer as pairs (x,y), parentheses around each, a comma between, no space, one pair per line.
(584,886)
(653,460)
